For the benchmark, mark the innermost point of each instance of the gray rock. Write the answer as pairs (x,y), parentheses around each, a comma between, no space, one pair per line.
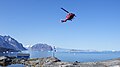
(41,47)
(54,62)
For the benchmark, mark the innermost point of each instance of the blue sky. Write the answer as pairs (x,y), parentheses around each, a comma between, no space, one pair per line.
(97,25)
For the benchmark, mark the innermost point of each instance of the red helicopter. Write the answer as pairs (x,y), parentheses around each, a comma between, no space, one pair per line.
(69,16)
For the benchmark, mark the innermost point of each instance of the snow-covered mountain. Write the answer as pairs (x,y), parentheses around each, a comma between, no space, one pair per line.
(10,43)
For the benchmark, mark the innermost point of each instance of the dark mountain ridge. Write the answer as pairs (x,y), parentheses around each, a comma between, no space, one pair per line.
(10,44)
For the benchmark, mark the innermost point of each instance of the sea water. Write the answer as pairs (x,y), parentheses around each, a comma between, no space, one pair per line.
(71,56)
(76,56)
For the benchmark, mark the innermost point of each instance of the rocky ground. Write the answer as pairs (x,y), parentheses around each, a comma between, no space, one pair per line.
(54,62)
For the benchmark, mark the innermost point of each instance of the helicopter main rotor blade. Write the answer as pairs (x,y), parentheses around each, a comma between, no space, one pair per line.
(64,10)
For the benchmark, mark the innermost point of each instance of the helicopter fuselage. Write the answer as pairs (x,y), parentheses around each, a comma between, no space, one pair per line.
(69,16)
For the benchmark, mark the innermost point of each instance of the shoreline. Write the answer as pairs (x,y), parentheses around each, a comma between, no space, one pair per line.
(55,62)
